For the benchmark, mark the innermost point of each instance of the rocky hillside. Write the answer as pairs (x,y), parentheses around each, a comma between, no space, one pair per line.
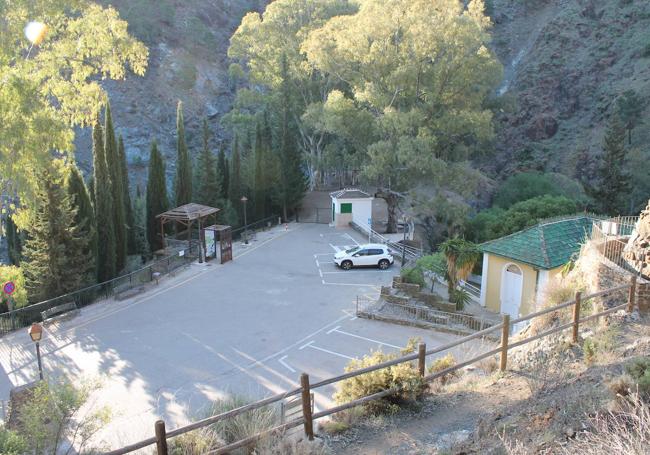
(566,63)
(187,43)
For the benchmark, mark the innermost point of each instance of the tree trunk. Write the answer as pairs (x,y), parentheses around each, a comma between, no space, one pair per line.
(392,201)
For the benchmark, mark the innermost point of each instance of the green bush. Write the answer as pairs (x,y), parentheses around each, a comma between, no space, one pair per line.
(461,298)
(646,50)
(15,274)
(639,369)
(194,443)
(405,376)
(528,185)
(413,275)
(11,443)
(441,364)
(435,262)
(496,222)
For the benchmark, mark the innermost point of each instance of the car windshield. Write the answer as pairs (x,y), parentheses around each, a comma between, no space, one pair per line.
(352,250)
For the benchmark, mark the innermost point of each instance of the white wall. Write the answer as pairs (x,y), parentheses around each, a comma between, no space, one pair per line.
(484,277)
(361,211)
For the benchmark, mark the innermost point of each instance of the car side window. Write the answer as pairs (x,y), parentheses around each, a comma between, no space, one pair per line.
(362,253)
(375,252)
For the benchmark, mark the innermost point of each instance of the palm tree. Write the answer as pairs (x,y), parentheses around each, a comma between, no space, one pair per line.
(461,257)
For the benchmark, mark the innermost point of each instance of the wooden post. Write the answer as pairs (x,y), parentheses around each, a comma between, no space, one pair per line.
(306,406)
(576,316)
(161,438)
(162,232)
(422,358)
(505,332)
(631,297)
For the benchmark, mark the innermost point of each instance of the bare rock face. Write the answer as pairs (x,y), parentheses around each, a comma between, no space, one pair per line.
(637,250)
(543,126)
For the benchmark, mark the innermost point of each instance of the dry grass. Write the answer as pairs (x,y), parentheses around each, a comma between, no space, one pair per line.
(625,432)
(342,421)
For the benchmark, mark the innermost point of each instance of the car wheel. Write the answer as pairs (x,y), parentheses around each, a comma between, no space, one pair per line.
(346,265)
(383,264)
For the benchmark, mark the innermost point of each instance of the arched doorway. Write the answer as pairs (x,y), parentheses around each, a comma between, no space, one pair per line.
(511,286)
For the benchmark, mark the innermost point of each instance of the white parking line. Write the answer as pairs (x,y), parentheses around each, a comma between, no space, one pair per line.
(324,254)
(350,284)
(351,238)
(360,271)
(310,345)
(336,329)
(285,364)
(335,248)
(320,272)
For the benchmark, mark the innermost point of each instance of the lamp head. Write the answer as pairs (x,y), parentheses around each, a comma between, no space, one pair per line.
(35,332)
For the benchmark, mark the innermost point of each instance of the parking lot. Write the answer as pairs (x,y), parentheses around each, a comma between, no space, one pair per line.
(250,327)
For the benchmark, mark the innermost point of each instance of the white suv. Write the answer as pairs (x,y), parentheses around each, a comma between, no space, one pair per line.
(376,255)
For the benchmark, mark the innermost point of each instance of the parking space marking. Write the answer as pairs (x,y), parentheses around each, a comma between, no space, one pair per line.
(320,272)
(351,284)
(335,248)
(324,254)
(360,271)
(336,329)
(338,354)
(285,364)
(352,238)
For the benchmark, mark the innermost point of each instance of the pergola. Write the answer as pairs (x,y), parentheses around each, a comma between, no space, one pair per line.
(186,215)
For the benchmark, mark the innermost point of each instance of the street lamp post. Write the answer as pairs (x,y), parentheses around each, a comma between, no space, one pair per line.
(36,333)
(244,200)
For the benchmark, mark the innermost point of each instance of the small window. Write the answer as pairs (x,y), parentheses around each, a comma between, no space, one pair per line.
(346,208)
(514,269)
(376,253)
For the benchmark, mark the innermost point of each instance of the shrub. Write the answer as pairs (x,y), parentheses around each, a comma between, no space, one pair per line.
(622,385)
(639,370)
(441,364)
(11,443)
(413,275)
(15,274)
(461,298)
(243,425)
(403,376)
(589,350)
(646,50)
(195,442)
(528,185)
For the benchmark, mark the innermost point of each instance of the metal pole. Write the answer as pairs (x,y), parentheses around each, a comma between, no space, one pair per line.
(245,226)
(38,359)
(404,245)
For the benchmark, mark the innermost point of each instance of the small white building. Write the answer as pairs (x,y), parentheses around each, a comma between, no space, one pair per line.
(351,204)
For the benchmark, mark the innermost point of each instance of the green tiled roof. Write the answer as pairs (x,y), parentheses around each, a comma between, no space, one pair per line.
(548,245)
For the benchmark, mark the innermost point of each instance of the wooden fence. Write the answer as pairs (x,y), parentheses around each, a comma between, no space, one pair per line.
(305,390)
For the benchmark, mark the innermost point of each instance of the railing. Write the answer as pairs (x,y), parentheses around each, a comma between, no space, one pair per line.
(23,317)
(610,237)
(410,253)
(252,228)
(305,389)
(435,317)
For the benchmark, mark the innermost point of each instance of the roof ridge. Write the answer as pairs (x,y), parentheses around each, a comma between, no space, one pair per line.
(542,239)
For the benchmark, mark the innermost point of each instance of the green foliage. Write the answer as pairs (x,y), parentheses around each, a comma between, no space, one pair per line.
(140,224)
(436,263)
(196,442)
(461,298)
(115,172)
(19,297)
(243,425)
(461,257)
(183,177)
(614,185)
(85,216)
(589,350)
(56,245)
(208,191)
(14,241)
(639,370)
(412,275)
(224,173)
(442,364)
(235,190)
(51,416)
(496,222)
(630,107)
(11,443)
(57,86)
(528,185)
(126,197)
(403,376)
(156,198)
(104,212)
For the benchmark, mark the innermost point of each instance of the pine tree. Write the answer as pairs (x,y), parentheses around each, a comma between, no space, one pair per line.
(156,198)
(115,171)
(614,180)
(183,180)
(85,216)
(235,189)
(293,183)
(57,258)
(104,212)
(14,241)
(222,164)
(126,197)
(209,186)
(259,190)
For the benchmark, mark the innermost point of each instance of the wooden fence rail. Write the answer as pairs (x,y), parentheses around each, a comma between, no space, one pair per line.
(307,420)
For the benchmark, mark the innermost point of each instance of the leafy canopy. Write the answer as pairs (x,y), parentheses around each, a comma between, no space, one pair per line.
(47,90)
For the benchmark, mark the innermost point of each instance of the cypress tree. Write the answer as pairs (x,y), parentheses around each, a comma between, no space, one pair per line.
(293,183)
(259,190)
(104,212)
(208,191)
(14,241)
(115,171)
(157,201)
(614,180)
(57,254)
(183,179)
(140,223)
(235,190)
(126,197)
(85,216)
(222,164)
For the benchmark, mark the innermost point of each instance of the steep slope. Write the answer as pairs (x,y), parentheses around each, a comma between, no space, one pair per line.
(567,61)
(187,42)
